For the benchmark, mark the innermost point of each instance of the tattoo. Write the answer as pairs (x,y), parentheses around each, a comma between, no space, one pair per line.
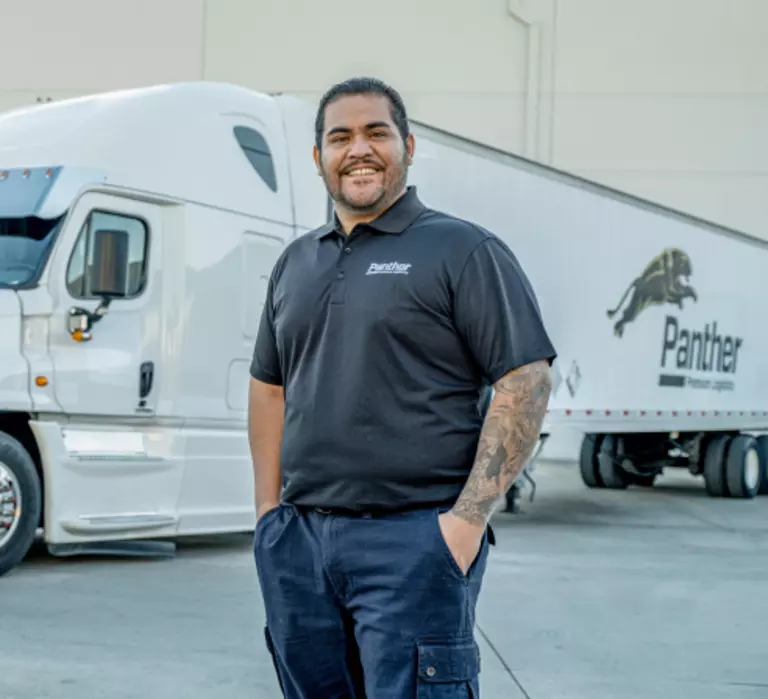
(510,432)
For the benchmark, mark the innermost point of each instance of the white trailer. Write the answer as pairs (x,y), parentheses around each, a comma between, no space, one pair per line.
(138,230)
(657,317)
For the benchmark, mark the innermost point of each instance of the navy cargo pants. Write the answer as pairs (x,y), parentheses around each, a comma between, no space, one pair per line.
(367,606)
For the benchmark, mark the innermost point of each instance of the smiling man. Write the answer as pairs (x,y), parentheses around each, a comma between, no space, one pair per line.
(375,471)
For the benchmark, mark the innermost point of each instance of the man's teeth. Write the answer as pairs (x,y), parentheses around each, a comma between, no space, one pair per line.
(362,171)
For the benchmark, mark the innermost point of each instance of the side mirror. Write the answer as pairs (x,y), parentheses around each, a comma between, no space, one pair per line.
(110,264)
(109,280)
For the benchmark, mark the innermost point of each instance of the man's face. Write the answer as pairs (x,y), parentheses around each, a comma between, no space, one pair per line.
(364,161)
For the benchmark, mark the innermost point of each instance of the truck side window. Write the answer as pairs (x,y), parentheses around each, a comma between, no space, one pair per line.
(79,272)
(256,149)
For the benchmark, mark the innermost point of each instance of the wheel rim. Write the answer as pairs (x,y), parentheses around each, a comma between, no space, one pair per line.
(10,504)
(752,469)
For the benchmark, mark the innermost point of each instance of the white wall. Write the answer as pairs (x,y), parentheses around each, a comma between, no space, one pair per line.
(51,49)
(666,99)
(458,63)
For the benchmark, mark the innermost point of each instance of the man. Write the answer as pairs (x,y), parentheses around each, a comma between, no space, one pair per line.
(375,472)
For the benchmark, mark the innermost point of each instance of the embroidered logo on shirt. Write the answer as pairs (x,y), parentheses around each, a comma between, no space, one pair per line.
(388,268)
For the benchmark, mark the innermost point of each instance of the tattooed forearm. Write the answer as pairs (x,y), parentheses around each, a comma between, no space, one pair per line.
(509,435)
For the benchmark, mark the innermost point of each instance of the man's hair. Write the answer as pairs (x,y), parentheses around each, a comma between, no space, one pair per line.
(362,86)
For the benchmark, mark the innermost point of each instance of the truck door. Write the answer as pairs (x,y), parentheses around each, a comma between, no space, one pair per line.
(111,467)
(112,371)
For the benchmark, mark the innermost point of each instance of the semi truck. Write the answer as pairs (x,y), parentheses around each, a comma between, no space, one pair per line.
(138,230)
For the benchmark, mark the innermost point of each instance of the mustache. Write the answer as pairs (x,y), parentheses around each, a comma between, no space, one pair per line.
(362,163)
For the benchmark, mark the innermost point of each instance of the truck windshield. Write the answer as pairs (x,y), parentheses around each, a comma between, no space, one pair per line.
(24,245)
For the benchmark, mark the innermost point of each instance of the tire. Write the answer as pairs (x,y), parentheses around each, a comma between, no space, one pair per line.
(714,466)
(762,448)
(20,487)
(590,447)
(608,467)
(743,468)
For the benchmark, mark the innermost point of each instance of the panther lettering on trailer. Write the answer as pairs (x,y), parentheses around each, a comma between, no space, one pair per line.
(684,349)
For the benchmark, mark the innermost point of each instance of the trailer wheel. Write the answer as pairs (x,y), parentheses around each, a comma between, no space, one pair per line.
(762,449)
(714,466)
(590,448)
(609,469)
(20,502)
(743,467)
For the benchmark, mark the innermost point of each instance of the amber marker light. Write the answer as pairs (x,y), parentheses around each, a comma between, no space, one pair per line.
(41,381)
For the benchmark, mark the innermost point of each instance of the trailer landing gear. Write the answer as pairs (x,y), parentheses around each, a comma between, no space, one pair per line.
(733,465)
(514,495)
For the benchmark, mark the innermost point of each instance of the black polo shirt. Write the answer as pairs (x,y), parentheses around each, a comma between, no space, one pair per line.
(384,341)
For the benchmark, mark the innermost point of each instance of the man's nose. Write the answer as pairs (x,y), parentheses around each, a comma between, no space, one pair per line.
(360,147)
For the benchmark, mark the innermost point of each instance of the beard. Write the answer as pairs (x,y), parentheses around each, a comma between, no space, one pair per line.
(394,180)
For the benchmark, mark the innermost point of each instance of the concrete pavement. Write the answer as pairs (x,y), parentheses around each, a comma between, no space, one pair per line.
(589,595)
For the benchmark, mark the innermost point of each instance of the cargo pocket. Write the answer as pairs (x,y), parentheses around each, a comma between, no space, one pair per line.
(448,671)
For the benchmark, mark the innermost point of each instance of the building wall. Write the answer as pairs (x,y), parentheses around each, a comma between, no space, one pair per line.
(56,50)
(668,100)
(459,64)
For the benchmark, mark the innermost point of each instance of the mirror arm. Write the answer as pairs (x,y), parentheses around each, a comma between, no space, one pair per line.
(100,311)
(96,315)
(91,318)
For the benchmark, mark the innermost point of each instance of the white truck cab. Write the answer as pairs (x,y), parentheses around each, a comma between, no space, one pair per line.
(137,233)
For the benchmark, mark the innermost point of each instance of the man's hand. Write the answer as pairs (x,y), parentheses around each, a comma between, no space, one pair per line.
(463,539)
(511,429)
(265,507)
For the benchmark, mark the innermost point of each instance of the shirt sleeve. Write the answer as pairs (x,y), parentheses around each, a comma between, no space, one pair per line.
(265,365)
(497,314)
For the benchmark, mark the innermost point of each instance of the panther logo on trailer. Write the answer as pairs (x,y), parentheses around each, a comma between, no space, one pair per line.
(660,283)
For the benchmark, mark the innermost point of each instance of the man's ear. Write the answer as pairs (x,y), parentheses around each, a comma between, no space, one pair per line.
(410,147)
(316,158)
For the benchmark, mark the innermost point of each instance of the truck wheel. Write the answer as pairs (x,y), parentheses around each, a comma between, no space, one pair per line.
(714,466)
(608,464)
(762,449)
(743,467)
(20,502)
(590,447)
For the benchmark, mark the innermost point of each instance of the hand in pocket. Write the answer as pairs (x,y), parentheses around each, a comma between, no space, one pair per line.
(462,538)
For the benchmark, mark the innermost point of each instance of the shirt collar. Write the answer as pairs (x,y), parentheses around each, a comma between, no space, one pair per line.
(393,221)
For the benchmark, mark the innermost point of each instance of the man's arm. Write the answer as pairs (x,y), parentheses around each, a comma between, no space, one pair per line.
(265,433)
(497,316)
(507,440)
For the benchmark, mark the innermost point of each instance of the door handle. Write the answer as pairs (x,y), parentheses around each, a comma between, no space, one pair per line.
(146,379)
